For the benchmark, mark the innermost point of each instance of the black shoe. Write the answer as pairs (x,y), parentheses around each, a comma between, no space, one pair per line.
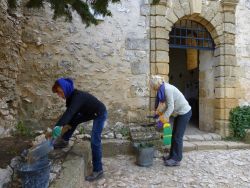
(171,162)
(60,143)
(164,158)
(94,176)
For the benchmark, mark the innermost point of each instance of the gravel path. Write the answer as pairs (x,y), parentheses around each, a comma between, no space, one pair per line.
(218,169)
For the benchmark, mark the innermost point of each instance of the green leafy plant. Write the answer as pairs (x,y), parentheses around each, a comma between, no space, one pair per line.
(154,2)
(81,130)
(86,9)
(145,145)
(239,121)
(22,130)
(124,131)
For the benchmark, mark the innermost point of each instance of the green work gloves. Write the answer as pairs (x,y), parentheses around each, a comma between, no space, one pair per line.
(56,132)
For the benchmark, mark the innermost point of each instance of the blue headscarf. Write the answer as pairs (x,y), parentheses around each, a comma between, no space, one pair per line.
(67,86)
(160,97)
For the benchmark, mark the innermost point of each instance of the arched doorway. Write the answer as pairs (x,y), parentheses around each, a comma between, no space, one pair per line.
(191,69)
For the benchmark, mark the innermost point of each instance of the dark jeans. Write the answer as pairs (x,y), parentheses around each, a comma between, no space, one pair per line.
(96,145)
(179,127)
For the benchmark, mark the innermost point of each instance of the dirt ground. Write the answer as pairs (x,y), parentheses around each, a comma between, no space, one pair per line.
(11,147)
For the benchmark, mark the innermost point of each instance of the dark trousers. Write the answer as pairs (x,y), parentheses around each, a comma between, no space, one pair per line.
(96,145)
(179,127)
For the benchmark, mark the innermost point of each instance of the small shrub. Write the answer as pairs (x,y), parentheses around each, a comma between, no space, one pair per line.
(239,121)
(22,130)
(124,131)
(81,130)
(145,145)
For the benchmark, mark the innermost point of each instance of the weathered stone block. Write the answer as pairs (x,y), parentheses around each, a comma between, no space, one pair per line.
(152,56)
(229,28)
(195,6)
(188,146)
(152,68)
(162,56)
(160,10)
(152,33)
(192,138)
(229,49)
(162,68)
(237,145)
(168,25)
(139,68)
(171,16)
(229,38)
(179,12)
(226,82)
(160,21)
(113,147)
(229,17)
(218,51)
(225,92)
(210,145)
(162,44)
(153,44)
(145,10)
(217,20)
(186,7)
(228,71)
(247,136)
(227,60)
(139,91)
(152,103)
(226,103)
(161,33)
(222,114)
(75,165)
(152,93)
(137,44)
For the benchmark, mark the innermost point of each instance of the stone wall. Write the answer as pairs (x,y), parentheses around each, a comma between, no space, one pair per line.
(110,60)
(9,66)
(218,17)
(243,49)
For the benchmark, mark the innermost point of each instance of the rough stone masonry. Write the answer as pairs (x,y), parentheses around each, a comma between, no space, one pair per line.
(112,60)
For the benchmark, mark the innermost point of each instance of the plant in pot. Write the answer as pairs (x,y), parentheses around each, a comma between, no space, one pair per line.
(144,153)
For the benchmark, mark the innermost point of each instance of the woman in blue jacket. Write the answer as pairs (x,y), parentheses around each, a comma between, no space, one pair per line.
(81,107)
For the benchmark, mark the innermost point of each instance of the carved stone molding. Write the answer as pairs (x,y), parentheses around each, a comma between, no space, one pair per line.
(229,5)
(195,6)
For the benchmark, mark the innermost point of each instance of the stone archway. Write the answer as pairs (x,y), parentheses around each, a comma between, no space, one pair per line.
(218,17)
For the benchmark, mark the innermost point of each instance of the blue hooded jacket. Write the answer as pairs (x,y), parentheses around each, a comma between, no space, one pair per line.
(67,86)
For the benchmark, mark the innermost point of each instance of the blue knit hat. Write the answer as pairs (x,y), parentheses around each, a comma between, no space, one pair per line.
(67,86)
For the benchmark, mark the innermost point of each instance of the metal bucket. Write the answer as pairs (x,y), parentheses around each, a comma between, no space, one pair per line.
(144,154)
(35,175)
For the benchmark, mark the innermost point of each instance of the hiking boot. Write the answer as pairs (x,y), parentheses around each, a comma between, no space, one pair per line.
(171,162)
(60,143)
(94,176)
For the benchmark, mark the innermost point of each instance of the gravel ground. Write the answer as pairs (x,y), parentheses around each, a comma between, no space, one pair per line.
(218,169)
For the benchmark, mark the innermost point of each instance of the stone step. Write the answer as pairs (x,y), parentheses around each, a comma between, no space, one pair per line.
(202,137)
(213,145)
(114,147)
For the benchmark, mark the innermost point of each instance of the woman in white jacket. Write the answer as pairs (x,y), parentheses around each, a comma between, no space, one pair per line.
(171,102)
